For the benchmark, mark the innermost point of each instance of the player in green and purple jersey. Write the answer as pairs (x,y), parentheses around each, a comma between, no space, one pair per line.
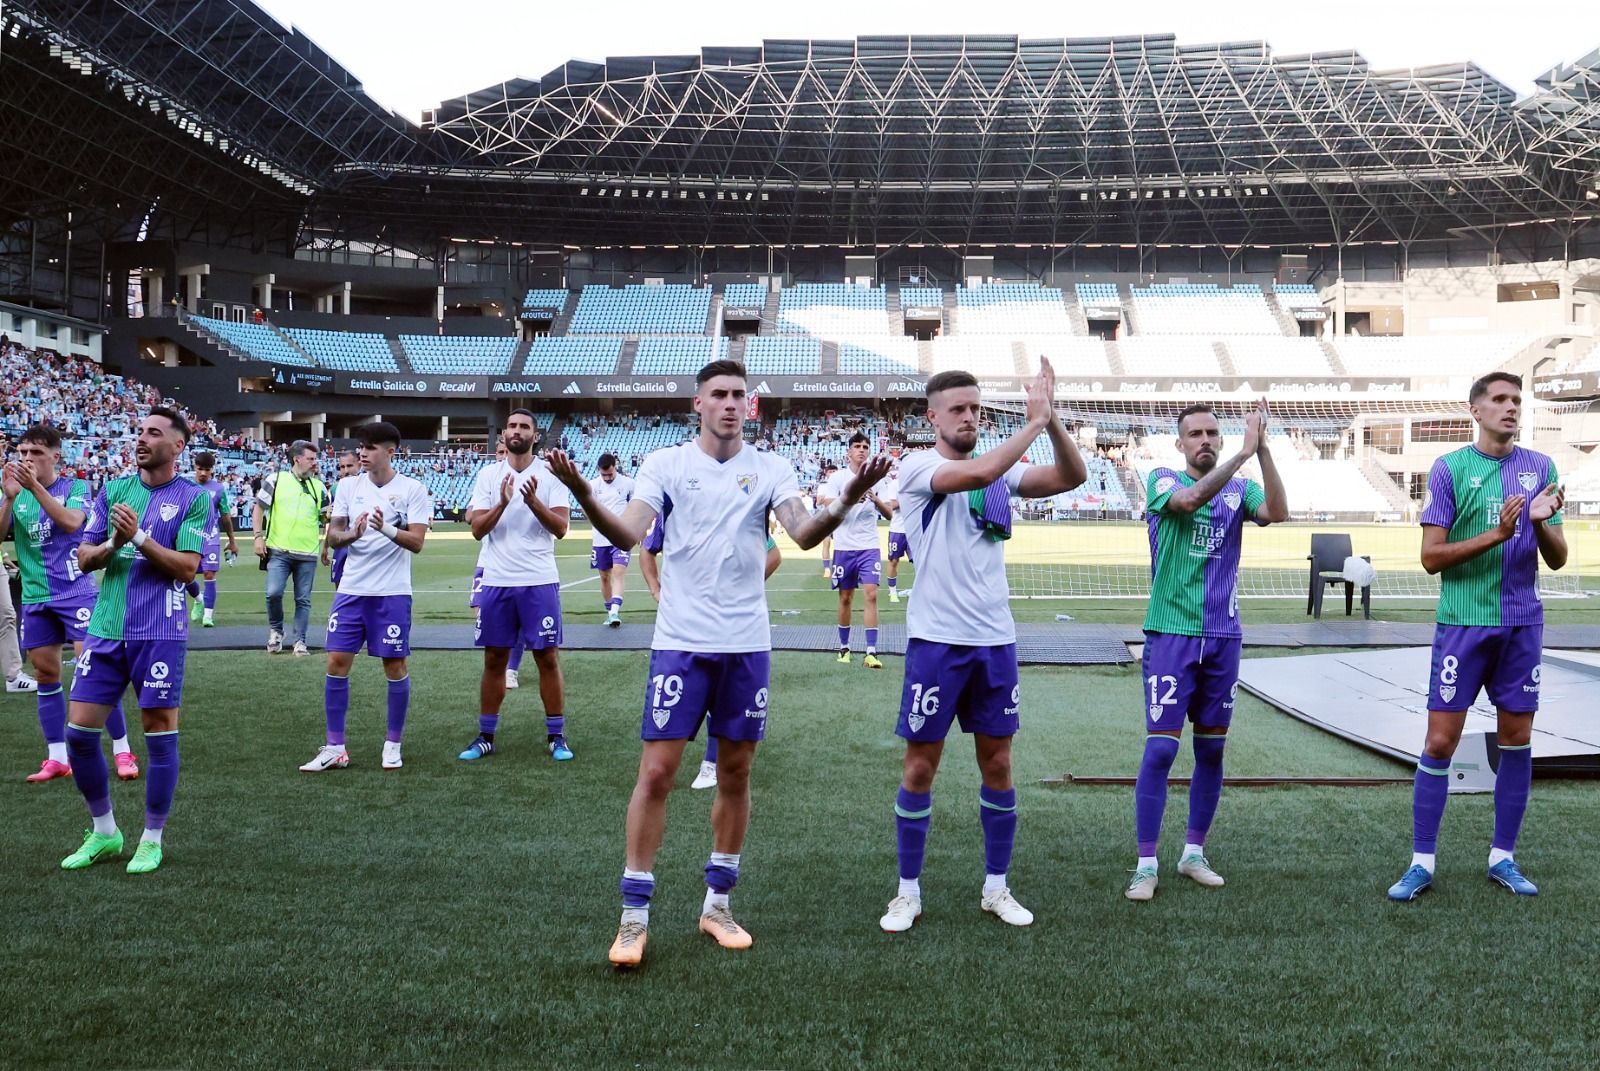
(1493,510)
(1192,632)
(48,510)
(146,532)
(205,463)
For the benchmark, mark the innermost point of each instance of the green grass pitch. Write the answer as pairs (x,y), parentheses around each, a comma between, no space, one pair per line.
(458,916)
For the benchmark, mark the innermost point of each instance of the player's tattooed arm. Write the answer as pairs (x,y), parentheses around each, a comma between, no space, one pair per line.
(1552,540)
(809,529)
(341,533)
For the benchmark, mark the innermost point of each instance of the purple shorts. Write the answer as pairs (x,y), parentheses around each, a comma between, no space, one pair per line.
(381,622)
(603,558)
(1502,658)
(899,547)
(475,599)
(854,569)
(528,617)
(153,667)
(336,570)
(210,555)
(945,682)
(50,624)
(1189,677)
(686,687)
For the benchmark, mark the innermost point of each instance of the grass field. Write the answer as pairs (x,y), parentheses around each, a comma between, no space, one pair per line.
(449,915)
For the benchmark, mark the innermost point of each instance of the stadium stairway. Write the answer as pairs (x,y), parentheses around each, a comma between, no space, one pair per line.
(949,312)
(1379,479)
(1130,319)
(1080,322)
(1114,358)
(736,348)
(925,358)
(714,310)
(552,437)
(1224,359)
(1334,360)
(206,344)
(1288,324)
(401,361)
(769,314)
(829,365)
(626,356)
(1019,357)
(891,305)
(563,321)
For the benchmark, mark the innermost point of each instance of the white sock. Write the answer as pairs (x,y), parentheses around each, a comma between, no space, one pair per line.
(1148,862)
(151,835)
(119,746)
(1192,849)
(105,824)
(1498,855)
(872,649)
(58,752)
(993,883)
(207,616)
(910,887)
(1423,859)
(641,915)
(714,899)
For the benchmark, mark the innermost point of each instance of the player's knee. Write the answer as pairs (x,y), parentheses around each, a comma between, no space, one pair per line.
(396,669)
(495,659)
(548,659)
(918,773)
(655,778)
(1440,744)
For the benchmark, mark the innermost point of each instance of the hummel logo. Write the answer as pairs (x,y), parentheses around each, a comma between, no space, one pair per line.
(571,388)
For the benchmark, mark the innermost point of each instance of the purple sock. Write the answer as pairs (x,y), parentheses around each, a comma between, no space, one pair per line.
(1511,784)
(89,768)
(1205,788)
(912,811)
(52,713)
(614,602)
(161,780)
(555,725)
(711,748)
(210,597)
(844,635)
(636,892)
(1150,790)
(892,584)
(516,658)
(116,722)
(193,588)
(719,877)
(488,723)
(997,812)
(399,700)
(872,639)
(336,701)
(1427,803)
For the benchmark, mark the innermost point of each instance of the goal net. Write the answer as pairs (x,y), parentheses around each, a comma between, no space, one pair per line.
(1354,467)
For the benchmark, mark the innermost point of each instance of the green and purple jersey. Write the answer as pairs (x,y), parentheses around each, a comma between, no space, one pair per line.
(1466,491)
(138,601)
(1194,557)
(47,557)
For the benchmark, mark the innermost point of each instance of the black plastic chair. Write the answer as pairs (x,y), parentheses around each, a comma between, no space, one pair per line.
(1328,552)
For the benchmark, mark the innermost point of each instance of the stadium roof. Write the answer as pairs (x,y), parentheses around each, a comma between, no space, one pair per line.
(953,140)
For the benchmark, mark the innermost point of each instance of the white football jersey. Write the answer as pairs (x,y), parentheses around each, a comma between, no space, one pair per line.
(377,565)
(962,595)
(891,492)
(614,496)
(518,551)
(714,523)
(859,528)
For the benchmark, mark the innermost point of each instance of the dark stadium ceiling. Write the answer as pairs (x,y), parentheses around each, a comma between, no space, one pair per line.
(886,140)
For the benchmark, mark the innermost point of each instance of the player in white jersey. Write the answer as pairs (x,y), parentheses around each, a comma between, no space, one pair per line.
(961,652)
(855,552)
(518,511)
(614,491)
(711,653)
(898,546)
(383,516)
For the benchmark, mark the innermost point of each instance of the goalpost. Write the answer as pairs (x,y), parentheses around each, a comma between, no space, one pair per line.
(1352,466)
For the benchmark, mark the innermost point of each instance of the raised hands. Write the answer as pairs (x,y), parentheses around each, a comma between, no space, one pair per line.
(872,470)
(1255,427)
(1509,514)
(566,470)
(1547,503)
(1042,394)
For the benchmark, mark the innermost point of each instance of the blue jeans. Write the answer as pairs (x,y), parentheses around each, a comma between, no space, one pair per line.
(279,566)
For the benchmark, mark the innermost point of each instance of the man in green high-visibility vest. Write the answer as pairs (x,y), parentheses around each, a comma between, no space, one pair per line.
(288,515)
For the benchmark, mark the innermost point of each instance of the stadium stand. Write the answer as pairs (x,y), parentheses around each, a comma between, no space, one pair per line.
(260,342)
(637,309)
(1176,356)
(677,356)
(921,296)
(889,355)
(832,310)
(544,299)
(1098,294)
(481,355)
(974,353)
(627,437)
(1422,355)
(745,295)
(572,357)
(1071,355)
(1257,355)
(1202,309)
(1011,309)
(348,351)
(782,356)
(1297,296)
